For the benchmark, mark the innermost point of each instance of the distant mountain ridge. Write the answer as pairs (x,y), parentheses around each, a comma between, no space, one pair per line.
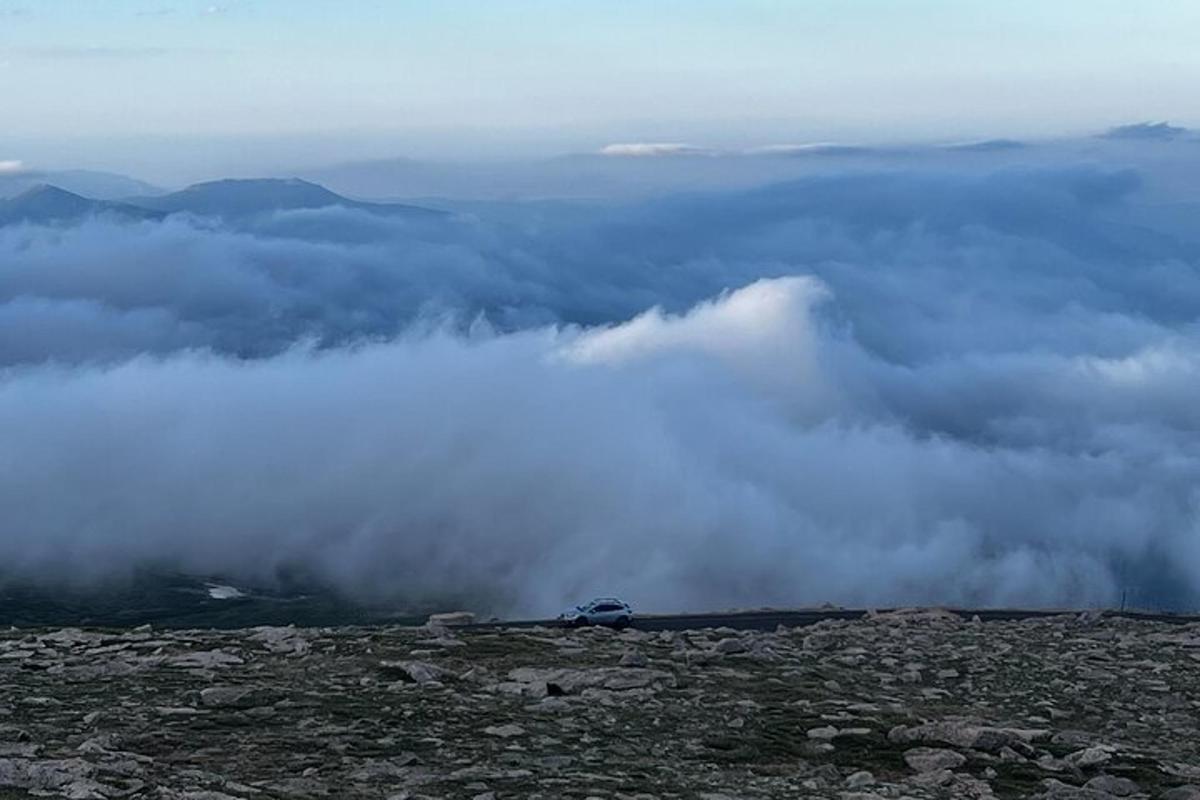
(241,198)
(44,204)
(224,199)
(85,183)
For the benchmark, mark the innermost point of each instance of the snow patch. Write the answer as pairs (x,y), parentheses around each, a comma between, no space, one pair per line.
(221,592)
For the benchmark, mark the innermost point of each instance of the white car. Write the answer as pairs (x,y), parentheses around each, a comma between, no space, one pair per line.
(601,611)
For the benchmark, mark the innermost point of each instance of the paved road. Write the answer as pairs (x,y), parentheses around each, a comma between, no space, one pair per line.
(770,620)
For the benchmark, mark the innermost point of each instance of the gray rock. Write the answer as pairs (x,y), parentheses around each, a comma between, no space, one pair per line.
(1089,757)
(967,736)
(823,733)
(929,759)
(207,659)
(1182,793)
(227,697)
(1057,790)
(729,646)
(1110,784)
(71,778)
(860,779)
(507,731)
(634,658)
(419,672)
(286,641)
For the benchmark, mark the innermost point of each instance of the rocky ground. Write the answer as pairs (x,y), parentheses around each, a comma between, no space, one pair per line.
(909,704)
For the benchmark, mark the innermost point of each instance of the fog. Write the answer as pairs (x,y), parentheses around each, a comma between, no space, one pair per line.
(915,385)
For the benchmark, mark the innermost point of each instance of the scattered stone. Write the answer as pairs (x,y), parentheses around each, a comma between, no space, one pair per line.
(860,779)
(211,659)
(419,672)
(1182,793)
(1109,784)
(443,711)
(1089,757)
(634,658)
(729,646)
(928,759)
(967,735)
(504,731)
(226,697)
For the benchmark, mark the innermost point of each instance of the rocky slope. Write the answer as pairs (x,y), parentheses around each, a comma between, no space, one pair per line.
(909,704)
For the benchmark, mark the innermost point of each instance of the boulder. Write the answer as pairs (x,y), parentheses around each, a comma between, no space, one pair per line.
(968,736)
(1182,793)
(860,779)
(1089,757)
(729,646)
(418,672)
(1110,784)
(823,733)
(227,697)
(633,658)
(505,731)
(70,778)
(930,759)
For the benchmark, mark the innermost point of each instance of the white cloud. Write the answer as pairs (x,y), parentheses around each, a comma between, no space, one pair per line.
(650,149)
(905,387)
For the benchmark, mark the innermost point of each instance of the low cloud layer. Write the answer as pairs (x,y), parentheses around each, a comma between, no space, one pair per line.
(865,388)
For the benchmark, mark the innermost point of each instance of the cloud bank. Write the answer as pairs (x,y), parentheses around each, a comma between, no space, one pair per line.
(864,388)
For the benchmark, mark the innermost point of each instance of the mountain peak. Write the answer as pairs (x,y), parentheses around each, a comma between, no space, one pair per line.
(248,197)
(46,190)
(45,202)
(252,183)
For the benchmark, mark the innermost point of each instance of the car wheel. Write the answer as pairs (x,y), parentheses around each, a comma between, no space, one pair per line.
(581,622)
(622,622)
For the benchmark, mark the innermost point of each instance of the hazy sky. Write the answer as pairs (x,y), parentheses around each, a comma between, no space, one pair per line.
(81,78)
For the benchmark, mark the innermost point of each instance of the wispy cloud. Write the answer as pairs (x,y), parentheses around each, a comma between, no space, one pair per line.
(653,149)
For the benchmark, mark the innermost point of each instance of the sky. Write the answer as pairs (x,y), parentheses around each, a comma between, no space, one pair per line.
(300,80)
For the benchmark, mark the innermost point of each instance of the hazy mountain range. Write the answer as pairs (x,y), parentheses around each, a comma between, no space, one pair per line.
(641,169)
(246,198)
(50,204)
(226,199)
(620,171)
(99,185)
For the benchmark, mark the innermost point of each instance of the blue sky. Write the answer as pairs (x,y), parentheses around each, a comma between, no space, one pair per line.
(453,77)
